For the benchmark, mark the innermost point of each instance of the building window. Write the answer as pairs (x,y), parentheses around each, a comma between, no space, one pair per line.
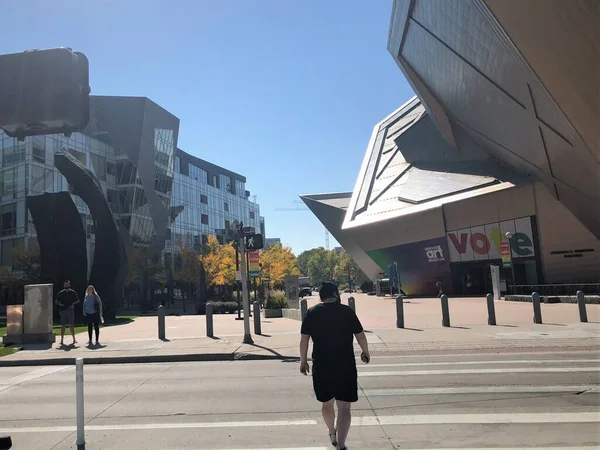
(227,224)
(203,199)
(204,239)
(39,154)
(177,164)
(252,214)
(226,206)
(9,219)
(221,239)
(204,219)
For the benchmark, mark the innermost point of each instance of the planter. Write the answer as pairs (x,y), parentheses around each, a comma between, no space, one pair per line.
(272,313)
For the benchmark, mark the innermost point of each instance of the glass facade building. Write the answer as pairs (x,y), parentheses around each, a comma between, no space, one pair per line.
(164,197)
(212,199)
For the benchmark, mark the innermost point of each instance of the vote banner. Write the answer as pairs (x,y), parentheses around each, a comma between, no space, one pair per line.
(254,263)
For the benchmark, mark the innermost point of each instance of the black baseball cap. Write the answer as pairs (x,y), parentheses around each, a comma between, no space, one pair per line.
(328,290)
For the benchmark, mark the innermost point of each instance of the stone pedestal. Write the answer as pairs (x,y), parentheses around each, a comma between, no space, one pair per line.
(31,323)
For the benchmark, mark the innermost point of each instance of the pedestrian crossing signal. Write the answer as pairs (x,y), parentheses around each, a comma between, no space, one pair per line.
(254,242)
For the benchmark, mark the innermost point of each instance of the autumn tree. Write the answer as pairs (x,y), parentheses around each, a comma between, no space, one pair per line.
(187,265)
(277,263)
(219,263)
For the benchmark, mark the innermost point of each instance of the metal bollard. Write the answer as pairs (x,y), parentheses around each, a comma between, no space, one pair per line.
(257,318)
(491,310)
(209,320)
(581,305)
(5,442)
(537,308)
(161,322)
(79,400)
(399,312)
(303,308)
(352,304)
(445,311)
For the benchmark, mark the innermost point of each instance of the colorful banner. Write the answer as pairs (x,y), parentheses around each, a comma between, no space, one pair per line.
(505,252)
(420,265)
(254,264)
(484,242)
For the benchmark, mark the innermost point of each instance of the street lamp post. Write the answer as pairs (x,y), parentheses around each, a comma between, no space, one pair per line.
(509,236)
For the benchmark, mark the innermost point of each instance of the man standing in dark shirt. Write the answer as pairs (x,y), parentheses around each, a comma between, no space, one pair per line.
(66,301)
(332,327)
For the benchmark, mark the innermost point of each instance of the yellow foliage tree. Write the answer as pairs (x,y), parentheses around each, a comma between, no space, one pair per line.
(278,262)
(219,263)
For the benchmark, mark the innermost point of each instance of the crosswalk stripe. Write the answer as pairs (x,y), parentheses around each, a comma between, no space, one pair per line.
(485,363)
(361,421)
(595,447)
(492,418)
(480,371)
(478,390)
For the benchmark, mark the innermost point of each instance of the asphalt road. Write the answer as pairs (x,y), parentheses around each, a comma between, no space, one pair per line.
(514,401)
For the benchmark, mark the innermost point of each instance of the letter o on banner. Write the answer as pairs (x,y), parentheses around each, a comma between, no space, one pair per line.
(480,243)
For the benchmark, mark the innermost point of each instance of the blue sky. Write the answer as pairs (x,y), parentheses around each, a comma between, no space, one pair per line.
(284,92)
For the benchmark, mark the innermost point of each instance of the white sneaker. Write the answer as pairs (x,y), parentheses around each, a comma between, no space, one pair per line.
(333,439)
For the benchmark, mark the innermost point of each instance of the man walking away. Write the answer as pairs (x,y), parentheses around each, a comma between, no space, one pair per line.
(66,301)
(332,327)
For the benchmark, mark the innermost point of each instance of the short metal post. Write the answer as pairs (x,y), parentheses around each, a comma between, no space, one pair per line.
(399,312)
(445,311)
(79,399)
(303,308)
(491,310)
(209,320)
(5,442)
(352,304)
(257,330)
(161,322)
(537,308)
(581,305)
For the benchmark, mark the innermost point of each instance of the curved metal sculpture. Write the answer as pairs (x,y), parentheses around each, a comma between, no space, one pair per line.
(110,257)
(61,238)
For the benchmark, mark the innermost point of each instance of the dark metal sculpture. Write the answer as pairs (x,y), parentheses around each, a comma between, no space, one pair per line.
(109,267)
(62,240)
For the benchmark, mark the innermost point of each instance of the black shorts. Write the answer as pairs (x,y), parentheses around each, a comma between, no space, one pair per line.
(339,382)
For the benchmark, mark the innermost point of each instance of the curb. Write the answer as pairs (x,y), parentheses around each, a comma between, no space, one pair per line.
(199,357)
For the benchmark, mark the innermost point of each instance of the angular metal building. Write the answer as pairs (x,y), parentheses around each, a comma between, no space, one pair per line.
(500,139)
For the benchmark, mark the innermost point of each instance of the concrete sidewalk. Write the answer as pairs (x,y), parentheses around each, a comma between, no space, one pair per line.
(186,335)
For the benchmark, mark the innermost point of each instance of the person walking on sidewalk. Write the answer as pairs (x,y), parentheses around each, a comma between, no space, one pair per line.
(92,309)
(66,301)
(332,327)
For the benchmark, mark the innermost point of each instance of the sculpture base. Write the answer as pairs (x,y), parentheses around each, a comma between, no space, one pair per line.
(32,338)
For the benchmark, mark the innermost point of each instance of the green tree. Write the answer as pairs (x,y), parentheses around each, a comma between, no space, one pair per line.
(321,265)
(346,264)
(302,261)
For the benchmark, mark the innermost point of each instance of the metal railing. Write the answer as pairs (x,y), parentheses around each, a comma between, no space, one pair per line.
(555,289)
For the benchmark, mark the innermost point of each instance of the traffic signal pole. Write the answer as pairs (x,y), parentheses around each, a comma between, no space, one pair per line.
(245,295)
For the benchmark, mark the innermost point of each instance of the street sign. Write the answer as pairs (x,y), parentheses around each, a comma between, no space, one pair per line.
(254,264)
(249,230)
(254,242)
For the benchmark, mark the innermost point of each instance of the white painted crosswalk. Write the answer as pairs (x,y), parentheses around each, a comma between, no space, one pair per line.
(547,404)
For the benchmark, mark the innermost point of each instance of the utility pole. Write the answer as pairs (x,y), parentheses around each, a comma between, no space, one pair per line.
(245,296)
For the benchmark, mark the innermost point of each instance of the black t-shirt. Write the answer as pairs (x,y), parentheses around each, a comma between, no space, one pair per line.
(68,297)
(332,327)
